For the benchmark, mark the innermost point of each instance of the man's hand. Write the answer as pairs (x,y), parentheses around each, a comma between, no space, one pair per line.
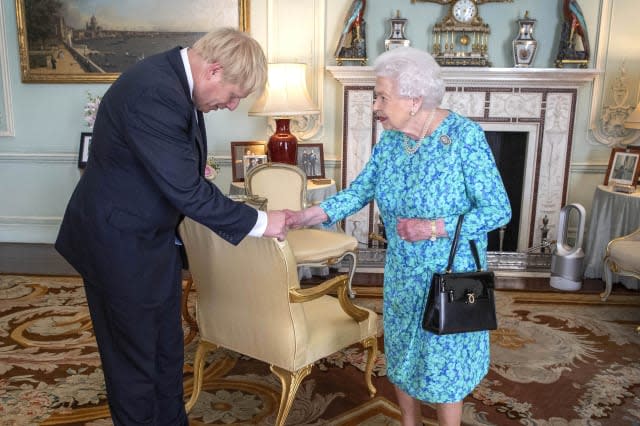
(276,225)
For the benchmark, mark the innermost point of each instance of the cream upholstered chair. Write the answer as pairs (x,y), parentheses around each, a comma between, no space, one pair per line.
(249,300)
(285,187)
(623,258)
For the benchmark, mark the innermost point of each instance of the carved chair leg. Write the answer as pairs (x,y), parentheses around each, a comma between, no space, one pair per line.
(187,285)
(608,279)
(352,272)
(371,345)
(290,383)
(198,369)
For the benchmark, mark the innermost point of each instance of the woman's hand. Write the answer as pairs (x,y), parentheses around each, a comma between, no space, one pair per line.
(420,229)
(307,217)
(294,219)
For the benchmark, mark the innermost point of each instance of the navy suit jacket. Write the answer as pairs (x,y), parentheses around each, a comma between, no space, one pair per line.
(144,174)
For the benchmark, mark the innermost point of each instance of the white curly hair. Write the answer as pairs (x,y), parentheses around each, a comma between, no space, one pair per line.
(415,72)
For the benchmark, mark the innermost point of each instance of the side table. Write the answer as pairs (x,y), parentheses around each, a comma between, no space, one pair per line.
(613,214)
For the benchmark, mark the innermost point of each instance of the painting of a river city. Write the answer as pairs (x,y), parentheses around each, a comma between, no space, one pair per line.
(96,40)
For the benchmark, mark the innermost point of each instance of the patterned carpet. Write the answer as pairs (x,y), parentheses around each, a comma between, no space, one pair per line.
(557,359)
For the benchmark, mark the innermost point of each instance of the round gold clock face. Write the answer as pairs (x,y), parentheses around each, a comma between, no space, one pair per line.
(464,10)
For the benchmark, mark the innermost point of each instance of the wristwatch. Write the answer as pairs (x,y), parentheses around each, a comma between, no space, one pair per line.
(434,231)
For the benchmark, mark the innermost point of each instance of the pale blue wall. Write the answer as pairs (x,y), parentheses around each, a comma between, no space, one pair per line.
(38,165)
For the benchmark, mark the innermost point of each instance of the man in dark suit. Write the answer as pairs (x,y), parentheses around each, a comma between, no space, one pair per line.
(145,173)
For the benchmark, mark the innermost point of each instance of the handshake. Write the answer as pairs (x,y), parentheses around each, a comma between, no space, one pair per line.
(280,221)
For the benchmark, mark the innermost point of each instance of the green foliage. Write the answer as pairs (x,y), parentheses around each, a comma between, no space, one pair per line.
(42,17)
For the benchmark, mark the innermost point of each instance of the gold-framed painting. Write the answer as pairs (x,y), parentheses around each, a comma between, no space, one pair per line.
(68,41)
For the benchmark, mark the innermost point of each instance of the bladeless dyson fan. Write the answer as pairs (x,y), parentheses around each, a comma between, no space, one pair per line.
(567,259)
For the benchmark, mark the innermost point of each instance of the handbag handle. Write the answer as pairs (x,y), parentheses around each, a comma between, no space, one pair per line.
(454,248)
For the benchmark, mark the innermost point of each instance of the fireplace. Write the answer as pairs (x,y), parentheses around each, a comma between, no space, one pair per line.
(536,104)
(510,152)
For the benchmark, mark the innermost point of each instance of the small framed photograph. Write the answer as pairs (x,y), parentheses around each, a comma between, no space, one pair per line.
(624,166)
(83,154)
(241,149)
(251,161)
(311,159)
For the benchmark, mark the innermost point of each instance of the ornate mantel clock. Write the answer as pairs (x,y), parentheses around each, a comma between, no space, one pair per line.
(461,38)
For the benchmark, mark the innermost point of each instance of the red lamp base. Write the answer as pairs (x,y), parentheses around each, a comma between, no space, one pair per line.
(283,146)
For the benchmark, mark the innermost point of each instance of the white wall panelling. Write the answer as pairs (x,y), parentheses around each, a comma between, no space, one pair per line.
(6,109)
(617,54)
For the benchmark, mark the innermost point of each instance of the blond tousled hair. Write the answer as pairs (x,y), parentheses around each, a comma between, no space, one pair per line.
(240,55)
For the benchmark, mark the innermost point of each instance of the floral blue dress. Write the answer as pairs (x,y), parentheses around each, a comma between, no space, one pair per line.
(452,172)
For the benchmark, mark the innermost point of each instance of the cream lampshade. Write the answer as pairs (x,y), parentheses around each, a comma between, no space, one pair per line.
(285,96)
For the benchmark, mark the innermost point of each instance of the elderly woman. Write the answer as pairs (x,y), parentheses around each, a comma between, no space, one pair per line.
(429,166)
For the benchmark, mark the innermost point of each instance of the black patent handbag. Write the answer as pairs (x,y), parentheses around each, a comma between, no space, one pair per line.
(460,302)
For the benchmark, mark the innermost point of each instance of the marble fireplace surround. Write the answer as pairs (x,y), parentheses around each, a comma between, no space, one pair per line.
(538,101)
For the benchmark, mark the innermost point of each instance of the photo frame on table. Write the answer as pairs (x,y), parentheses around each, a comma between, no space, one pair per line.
(83,153)
(251,161)
(67,41)
(310,158)
(624,166)
(241,149)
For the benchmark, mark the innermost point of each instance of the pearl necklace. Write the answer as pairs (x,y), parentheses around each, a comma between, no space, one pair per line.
(410,150)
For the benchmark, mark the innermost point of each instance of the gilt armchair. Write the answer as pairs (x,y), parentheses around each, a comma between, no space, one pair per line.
(285,187)
(623,258)
(249,300)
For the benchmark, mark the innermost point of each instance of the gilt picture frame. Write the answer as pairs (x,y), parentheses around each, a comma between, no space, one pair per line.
(624,166)
(68,42)
(242,149)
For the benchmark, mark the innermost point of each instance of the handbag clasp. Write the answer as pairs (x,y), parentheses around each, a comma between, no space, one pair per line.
(471,297)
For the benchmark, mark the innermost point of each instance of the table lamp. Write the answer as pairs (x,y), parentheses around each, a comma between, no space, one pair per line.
(286,96)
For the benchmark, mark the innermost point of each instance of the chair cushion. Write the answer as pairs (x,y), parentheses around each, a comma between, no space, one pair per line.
(317,245)
(330,329)
(626,254)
